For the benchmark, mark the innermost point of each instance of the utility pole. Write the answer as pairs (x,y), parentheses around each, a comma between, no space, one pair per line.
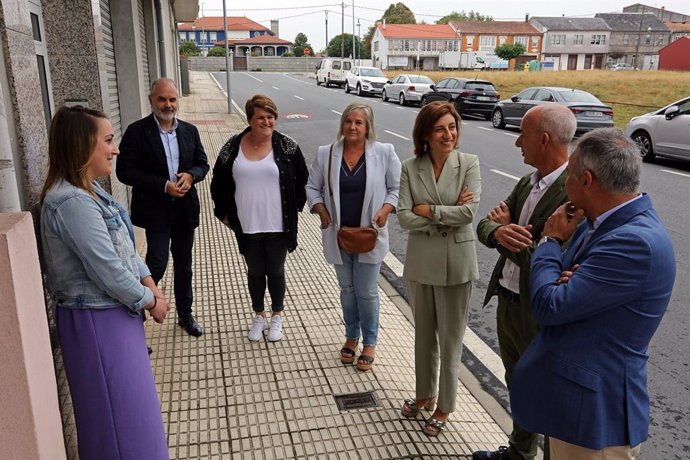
(227,58)
(639,39)
(326,11)
(354,52)
(359,36)
(342,33)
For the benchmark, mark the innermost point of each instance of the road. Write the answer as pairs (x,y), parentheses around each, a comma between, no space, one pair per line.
(310,114)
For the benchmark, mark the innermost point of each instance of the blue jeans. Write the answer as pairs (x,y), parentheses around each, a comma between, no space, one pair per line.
(359,297)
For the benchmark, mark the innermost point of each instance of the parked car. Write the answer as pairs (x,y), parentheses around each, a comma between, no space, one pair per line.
(365,80)
(665,132)
(622,66)
(406,88)
(475,97)
(332,71)
(589,111)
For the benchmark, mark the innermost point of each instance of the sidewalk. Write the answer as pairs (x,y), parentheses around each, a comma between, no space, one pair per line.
(224,397)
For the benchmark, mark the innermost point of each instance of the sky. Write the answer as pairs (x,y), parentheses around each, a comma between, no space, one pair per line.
(309,17)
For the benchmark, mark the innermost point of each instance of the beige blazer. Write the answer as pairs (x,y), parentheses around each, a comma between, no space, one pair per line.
(440,251)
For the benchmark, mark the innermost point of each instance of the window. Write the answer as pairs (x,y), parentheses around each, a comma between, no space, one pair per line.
(203,37)
(470,40)
(347,65)
(214,37)
(502,40)
(376,46)
(626,39)
(183,36)
(522,40)
(598,39)
(558,39)
(535,41)
(578,39)
(659,39)
(543,95)
(648,39)
(487,42)
(443,83)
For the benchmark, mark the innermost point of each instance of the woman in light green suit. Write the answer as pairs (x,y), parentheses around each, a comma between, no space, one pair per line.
(439,197)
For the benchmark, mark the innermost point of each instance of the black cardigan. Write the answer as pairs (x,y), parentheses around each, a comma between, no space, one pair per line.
(293,178)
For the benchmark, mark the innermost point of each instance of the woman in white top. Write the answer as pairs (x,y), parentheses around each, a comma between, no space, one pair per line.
(258,189)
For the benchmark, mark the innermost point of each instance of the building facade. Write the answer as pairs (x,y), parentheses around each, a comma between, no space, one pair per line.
(676,55)
(412,46)
(574,43)
(636,38)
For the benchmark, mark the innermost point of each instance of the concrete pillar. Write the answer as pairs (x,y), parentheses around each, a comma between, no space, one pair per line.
(30,425)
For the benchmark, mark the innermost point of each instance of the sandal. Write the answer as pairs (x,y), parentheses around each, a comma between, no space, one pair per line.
(410,408)
(347,355)
(433,427)
(365,362)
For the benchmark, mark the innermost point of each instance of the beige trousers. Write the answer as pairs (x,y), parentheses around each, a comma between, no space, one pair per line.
(440,316)
(561,450)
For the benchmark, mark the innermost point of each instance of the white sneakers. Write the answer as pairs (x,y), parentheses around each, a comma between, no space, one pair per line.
(275,332)
(257,330)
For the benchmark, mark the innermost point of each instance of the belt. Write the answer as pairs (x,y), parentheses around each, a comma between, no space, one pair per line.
(508,294)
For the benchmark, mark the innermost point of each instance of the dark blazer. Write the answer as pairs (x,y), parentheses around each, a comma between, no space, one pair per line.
(293,178)
(552,199)
(143,165)
(583,379)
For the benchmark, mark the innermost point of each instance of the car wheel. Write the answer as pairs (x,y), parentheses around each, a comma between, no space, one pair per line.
(359,89)
(401,99)
(347,87)
(644,142)
(327,83)
(423,102)
(318,83)
(497,119)
(384,97)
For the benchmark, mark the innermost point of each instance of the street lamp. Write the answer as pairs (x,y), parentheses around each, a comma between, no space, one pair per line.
(651,46)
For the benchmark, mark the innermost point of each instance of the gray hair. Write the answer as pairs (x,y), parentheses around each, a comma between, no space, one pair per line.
(368,116)
(162,80)
(611,157)
(559,122)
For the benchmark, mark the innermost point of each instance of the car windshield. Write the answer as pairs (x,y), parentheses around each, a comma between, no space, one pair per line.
(421,79)
(372,73)
(579,96)
(480,86)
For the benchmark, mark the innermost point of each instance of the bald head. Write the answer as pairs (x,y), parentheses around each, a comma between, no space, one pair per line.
(555,119)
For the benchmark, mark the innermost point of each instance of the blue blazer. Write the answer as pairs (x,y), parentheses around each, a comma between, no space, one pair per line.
(583,379)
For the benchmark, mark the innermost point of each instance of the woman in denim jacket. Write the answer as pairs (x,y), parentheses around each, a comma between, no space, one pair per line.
(100,287)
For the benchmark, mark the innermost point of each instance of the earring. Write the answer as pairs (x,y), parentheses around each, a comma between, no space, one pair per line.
(426,146)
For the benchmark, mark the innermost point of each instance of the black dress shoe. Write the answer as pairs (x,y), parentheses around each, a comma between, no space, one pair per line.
(500,454)
(149,349)
(190,325)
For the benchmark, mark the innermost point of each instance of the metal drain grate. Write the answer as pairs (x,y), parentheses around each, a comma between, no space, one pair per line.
(356,400)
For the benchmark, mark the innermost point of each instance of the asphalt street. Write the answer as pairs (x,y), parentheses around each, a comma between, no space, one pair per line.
(310,114)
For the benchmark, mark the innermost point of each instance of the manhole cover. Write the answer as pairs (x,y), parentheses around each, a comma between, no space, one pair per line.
(356,400)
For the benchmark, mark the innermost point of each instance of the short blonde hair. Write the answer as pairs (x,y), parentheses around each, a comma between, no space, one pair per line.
(368,117)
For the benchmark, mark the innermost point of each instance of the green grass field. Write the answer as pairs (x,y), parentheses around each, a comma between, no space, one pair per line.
(629,93)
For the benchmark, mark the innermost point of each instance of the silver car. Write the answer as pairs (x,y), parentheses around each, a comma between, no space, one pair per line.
(406,88)
(665,132)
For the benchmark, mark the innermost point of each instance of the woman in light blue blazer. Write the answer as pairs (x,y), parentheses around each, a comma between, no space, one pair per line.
(362,191)
(439,197)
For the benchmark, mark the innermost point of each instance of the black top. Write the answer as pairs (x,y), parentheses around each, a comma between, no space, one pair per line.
(352,187)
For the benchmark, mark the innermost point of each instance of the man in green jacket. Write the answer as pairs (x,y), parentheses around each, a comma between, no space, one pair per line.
(514,228)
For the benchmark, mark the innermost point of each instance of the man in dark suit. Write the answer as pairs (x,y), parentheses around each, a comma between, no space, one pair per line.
(513,228)
(162,158)
(583,380)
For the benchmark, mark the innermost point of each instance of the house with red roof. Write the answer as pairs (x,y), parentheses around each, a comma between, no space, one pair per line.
(411,46)
(244,36)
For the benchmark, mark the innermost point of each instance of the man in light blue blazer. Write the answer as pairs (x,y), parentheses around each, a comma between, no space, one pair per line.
(583,380)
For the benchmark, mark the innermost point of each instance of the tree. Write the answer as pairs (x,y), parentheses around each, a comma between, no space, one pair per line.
(216,51)
(510,51)
(399,13)
(462,16)
(334,46)
(188,48)
(302,43)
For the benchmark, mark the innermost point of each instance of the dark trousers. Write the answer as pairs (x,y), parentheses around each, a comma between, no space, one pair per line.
(177,239)
(265,257)
(516,329)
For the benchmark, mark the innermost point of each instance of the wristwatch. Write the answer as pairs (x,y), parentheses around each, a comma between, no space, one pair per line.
(545,239)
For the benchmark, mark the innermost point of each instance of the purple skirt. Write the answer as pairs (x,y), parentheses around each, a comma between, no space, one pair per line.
(116,406)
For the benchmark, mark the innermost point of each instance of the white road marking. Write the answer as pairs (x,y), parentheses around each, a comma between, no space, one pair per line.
(336,112)
(474,344)
(484,127)
(504,174)
(511,135)
(675,172)
(250,75)
(300,98)
(275,88)
(396,135)
(394,264)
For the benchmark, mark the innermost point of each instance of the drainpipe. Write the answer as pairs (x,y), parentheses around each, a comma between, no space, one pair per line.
(161,47)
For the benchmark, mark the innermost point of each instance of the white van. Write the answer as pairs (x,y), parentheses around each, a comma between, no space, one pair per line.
(332,71)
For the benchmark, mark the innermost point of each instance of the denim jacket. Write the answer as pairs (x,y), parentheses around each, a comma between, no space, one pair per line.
(88,247)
